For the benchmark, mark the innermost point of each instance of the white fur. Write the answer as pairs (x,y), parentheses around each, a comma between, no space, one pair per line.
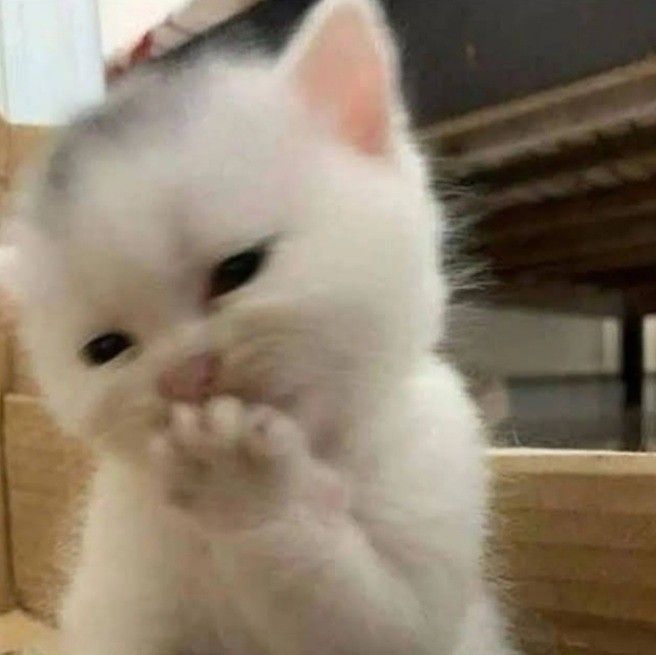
(336,333)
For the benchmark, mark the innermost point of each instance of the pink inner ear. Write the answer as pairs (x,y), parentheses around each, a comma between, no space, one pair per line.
(343,72)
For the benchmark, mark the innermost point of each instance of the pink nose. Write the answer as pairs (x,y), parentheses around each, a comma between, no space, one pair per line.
(191,381)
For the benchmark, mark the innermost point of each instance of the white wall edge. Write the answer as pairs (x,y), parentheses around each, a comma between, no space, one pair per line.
(52,61)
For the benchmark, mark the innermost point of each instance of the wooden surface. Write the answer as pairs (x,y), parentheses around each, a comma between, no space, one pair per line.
(47,476)
(576,533)
(17,144)
(24,143)
(20,634)
(7,596)
(564,182)
(509,128)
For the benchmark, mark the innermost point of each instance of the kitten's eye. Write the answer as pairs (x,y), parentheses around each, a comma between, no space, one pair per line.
(235,271)
(106,347)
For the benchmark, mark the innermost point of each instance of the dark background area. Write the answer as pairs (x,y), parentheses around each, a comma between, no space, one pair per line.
(461,55)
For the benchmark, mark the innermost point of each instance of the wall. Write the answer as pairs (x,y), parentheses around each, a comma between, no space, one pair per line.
(124,20)
(650,344)
(521,343)
(51,62)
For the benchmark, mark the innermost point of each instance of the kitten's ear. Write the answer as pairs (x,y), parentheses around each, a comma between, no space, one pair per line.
(343,63)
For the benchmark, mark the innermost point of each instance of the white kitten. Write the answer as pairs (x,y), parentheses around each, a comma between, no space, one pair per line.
(229,282)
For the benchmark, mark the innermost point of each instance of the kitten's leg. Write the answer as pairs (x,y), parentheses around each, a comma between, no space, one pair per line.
(122,599)
(309,580)
(483,631)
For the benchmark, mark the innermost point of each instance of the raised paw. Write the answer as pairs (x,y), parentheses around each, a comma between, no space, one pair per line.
(231,464)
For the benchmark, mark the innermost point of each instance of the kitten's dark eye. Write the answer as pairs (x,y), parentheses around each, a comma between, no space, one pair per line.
(235,271)
(106,347)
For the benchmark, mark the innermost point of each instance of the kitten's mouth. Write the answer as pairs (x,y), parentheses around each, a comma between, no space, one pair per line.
(202,378)
(193,381)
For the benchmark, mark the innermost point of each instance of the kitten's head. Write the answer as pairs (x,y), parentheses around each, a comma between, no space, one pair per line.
(261,227)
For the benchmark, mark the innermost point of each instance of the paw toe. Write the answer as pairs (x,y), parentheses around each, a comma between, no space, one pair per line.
(226,416)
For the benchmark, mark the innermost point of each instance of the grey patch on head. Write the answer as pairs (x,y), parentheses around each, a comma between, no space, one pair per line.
(110,120)
(100,127)
(62,164)
(148,107)
(62,168)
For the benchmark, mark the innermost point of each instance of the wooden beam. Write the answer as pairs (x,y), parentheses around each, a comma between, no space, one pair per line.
(565,224)
(23,141)
(526,121)
(573,533)
(583,147)
(629,278)
(606,175)
(508,462)
(535,219)
(575,242)
(578,267)
(562,297)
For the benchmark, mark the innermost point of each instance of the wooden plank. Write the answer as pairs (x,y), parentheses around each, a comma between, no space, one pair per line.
(47,474)
(577,528)
(7,586)
(565,226)
(578,148)
(611,495)
(585,528)
(7,590)
(629,279)
(4,152)
(538,220)
(20,633)
(576,537)
(612,602)
(574,242)
(19,144)
(603,636)
(25,143)
(599,565)
(508,461)
(611,174)
(609,263)
(569,106)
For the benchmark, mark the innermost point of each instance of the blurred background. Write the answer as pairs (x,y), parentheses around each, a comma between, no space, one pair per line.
(541,119)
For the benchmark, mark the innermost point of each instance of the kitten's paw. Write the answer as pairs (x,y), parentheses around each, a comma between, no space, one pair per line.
(234,465)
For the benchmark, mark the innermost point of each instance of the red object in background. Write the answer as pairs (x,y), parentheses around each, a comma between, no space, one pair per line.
(178,28)
(140,52)
(143,50)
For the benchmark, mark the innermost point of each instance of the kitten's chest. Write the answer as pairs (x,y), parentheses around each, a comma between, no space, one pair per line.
(213,624)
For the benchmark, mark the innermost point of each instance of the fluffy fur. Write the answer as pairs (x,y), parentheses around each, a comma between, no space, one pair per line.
(330,496)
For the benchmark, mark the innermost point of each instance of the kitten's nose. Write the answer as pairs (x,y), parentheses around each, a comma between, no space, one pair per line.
(192,381)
